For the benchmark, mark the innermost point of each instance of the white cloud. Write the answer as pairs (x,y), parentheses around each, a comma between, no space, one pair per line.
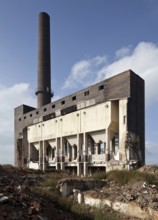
(84,71)
(11,97)
(124,51)
(142,59)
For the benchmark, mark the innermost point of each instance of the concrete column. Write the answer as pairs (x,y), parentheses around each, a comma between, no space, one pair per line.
(85,147)
(28,161)
(40,155)
(79,169)
(107,145)
(111,154)
(29,152)
(79,144)
(85,168)
(62,141)
(44,155)
(79,153)
(57,152)
(85,154)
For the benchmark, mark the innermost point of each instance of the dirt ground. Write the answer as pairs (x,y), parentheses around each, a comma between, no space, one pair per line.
(18,200)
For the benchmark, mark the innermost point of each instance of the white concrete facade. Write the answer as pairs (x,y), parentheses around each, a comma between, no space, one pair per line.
(81,141)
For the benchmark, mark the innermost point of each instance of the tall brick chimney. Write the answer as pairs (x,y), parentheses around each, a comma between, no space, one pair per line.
(44,92)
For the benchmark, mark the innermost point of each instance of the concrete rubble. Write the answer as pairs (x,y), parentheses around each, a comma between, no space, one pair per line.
(138,200)
(17,201)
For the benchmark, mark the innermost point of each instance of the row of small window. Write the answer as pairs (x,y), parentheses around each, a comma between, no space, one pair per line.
(86,93)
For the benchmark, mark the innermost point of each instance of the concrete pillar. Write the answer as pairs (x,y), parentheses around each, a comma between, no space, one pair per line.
(85,168)
(107,145)
(40,155)
(29,152)
(85,147)
(78,169)
(62,142)
(85,154)
(44,155)
(28,161)
(57,152)
(79,145)
(79,153)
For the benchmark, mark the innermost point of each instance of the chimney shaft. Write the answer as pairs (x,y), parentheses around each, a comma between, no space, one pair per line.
(43,92)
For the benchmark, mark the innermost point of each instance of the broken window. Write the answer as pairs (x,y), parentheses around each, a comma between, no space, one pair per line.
(53,106)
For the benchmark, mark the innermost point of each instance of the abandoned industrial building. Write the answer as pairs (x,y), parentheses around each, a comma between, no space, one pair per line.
(84,132)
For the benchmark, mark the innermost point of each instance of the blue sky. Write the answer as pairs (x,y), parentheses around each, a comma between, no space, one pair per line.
(90,41)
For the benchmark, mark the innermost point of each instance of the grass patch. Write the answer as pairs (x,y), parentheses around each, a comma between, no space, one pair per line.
(99,176)
(127,177)
(100,214)
(123,177)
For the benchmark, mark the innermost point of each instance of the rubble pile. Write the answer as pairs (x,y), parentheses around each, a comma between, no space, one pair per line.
(142,193)
(149,169)
(138,198)
(17,201)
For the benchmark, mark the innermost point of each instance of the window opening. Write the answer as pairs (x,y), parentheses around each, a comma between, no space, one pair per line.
(73,98)
(101,87)
(63,102)
(86,93)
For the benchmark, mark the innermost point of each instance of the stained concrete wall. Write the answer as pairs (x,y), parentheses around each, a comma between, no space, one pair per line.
(91,119)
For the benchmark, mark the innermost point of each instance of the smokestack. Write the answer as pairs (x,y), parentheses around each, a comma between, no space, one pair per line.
(43,92)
